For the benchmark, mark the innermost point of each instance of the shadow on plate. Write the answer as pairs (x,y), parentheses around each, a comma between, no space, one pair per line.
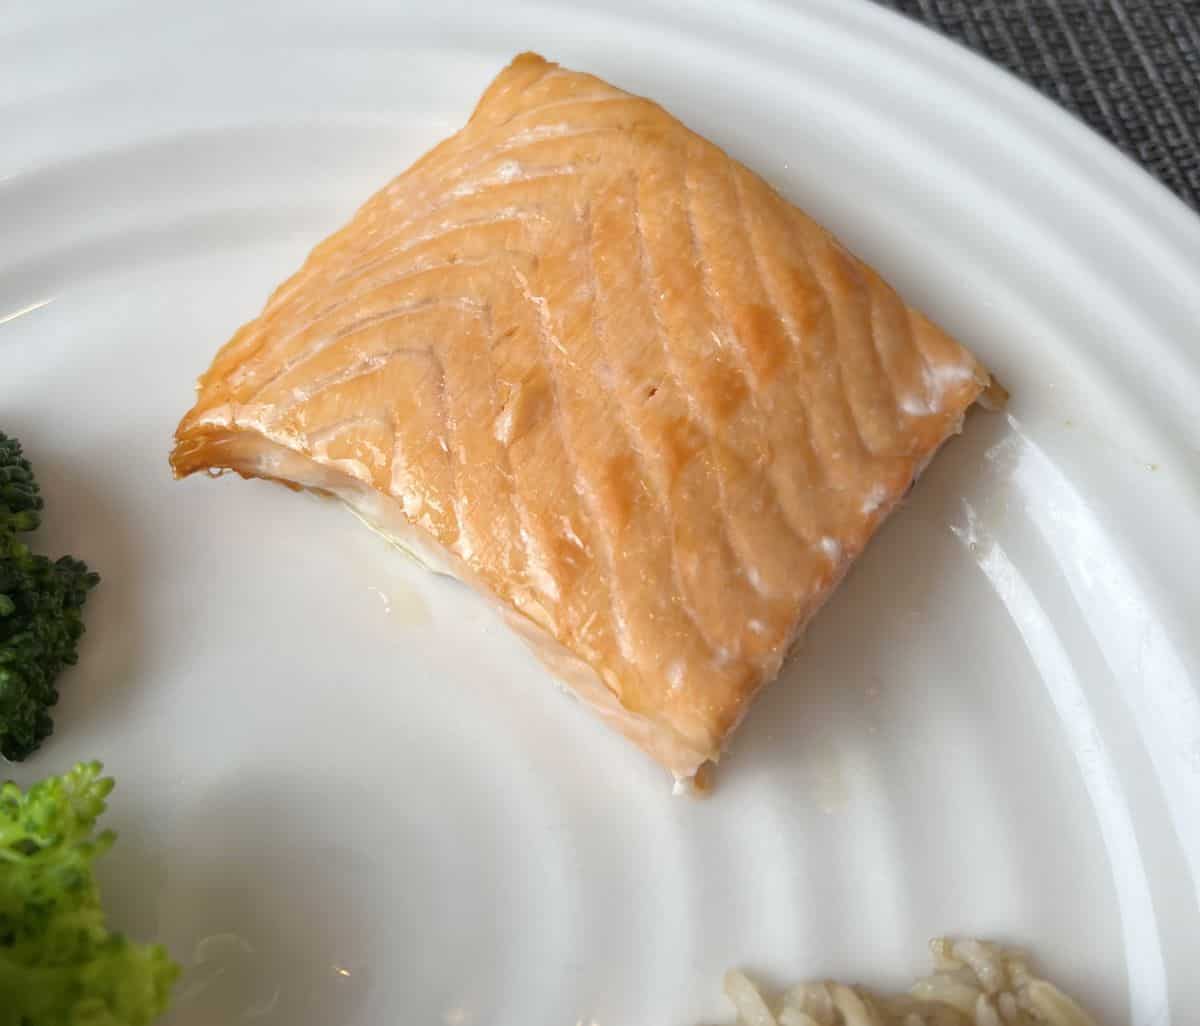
(841,667)
(272,919)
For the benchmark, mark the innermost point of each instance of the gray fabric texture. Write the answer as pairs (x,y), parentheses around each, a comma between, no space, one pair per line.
(1129,68)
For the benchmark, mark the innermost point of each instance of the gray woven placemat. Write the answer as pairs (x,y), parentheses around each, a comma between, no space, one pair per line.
(1129,68)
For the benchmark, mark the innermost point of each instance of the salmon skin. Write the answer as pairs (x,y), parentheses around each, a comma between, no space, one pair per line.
(580,358)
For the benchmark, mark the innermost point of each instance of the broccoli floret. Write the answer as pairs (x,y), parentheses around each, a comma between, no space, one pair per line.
(41,622)
(41,604)
(59,965)
(20,500)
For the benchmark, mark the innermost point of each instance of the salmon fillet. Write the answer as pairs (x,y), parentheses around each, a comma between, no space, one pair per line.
(583,360)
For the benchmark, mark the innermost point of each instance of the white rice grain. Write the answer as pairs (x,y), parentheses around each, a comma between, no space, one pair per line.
(973,984)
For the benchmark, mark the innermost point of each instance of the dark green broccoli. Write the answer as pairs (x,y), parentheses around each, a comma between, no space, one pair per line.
(41,604)
(20,500)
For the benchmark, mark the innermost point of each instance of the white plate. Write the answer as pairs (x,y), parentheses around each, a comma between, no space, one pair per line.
(348,796)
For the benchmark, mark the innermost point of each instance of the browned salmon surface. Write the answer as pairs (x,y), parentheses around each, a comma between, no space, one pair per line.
(581,358)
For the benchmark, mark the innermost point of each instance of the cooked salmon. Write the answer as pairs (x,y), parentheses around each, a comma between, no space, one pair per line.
(580,358)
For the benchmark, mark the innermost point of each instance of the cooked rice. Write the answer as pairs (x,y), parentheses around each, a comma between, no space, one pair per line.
(973,984)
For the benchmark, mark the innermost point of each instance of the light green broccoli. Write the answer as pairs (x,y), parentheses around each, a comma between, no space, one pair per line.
(59,964)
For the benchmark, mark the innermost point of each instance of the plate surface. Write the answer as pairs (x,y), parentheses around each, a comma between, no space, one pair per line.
(348,796)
